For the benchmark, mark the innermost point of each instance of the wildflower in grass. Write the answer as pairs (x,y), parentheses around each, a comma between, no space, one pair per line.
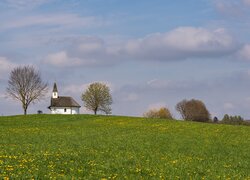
(152,174)
(138,170)
(92,163)
(80,170)
(175,161)
(50,166)
(46,153)
(11,157)
(9,168)
(114,176)
(24,160)
(227,165)
(199,159)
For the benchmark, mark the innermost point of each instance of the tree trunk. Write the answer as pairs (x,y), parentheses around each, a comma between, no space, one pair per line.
(95,110)
(25,111)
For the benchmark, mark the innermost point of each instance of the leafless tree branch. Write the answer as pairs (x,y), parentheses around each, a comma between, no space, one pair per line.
(25,85)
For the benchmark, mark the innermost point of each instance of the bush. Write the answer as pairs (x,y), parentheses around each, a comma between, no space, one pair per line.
(246,123)
(215,120)
(162,113)
(193,110)
(235,120)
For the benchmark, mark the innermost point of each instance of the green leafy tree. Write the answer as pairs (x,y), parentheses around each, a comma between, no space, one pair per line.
(97,97)
(236,120)
(226,118)
(193,110)
(25,85)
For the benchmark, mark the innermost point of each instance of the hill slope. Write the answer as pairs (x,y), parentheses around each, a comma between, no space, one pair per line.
(109,147)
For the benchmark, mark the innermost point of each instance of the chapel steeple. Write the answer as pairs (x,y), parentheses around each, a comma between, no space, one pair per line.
(55,92)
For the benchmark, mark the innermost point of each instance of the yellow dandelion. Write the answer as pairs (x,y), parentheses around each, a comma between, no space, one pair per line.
(9,168)
(227,165)
(175,161)
(138,170)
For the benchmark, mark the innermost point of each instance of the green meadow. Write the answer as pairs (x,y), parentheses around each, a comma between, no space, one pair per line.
(113,147)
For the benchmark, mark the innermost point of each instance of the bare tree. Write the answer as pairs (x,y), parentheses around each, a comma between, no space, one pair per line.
(25,85)
(97,97)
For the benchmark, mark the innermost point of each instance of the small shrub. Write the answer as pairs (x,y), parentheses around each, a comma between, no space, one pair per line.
(215,120)
(162,113)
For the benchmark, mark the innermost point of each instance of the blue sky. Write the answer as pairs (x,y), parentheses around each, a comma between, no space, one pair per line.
(150,53)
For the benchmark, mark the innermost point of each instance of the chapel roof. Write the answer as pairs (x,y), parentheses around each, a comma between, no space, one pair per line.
(63,101)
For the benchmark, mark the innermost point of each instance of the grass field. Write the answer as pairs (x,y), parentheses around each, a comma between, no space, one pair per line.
(109,147)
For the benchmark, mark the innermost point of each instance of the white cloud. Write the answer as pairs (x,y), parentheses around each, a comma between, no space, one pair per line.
(2,95)
(157,105)
(75,89)
(247,99)
(91,47)
(78,89)
(228,7)
(87,51)
(61,59)
(246,2)
(21,4)
(130,97)
(157,83)
(182,43)
(233,8)
(228,106)
(53,20)
(5,66)
(244,53)
(178,44)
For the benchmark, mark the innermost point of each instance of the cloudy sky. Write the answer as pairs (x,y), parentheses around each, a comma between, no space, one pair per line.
(151,53)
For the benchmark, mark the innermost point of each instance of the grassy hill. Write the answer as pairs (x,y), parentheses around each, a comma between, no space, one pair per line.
(109,147)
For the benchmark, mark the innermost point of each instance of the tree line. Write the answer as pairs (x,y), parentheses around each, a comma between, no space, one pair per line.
(190,110)
(194,110)
(26,86)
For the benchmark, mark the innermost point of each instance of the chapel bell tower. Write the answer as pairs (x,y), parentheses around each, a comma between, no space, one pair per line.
(55,92)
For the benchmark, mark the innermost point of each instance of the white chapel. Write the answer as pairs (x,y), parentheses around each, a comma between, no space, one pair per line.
(62,104)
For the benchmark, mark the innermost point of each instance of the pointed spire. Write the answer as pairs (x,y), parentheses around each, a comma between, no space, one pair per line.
(55,92)
(55,88)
